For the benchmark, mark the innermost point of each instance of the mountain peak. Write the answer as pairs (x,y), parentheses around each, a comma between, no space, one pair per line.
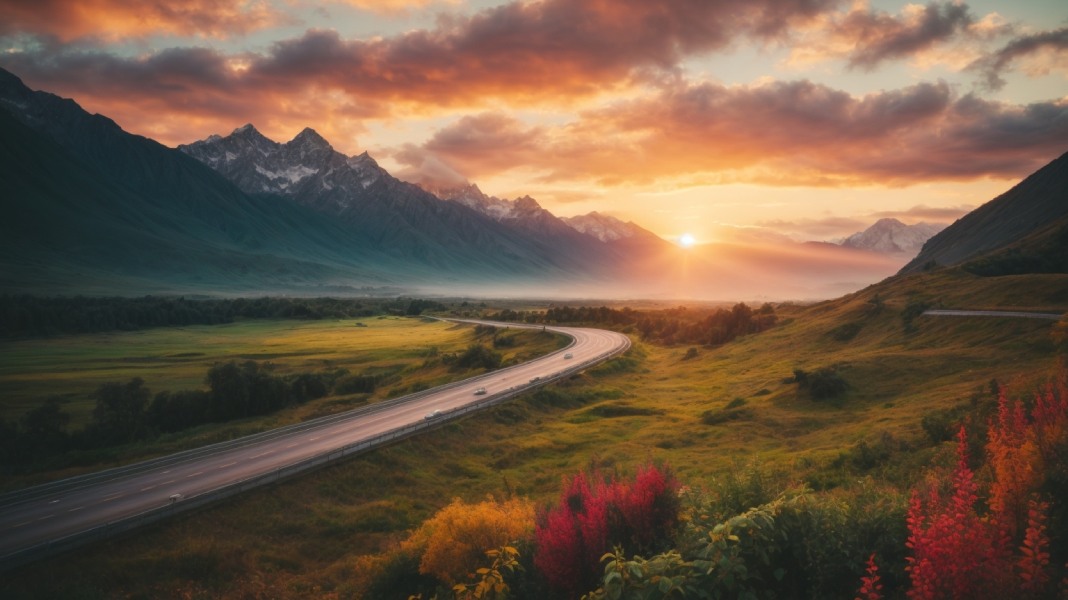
(309,136)
(527,204)
(245,129)
(890,236)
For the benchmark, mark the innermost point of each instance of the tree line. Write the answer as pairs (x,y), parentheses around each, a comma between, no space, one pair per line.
(24,315)
(128,412)
(671,326)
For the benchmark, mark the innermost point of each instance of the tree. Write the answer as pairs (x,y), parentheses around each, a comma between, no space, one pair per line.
(119,415)
(45,427)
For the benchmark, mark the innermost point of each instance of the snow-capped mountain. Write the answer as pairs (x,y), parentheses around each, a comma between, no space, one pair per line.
(890,236)
(604,227)
(527,214)
(472,197)
(400,218)
(306,167)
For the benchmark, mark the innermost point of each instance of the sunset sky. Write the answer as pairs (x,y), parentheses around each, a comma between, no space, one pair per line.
(725,119)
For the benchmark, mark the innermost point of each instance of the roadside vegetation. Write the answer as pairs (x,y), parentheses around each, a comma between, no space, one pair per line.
(753,481)
(106,403)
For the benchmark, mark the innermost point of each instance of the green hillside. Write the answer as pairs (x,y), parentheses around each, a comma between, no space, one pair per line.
(730,418)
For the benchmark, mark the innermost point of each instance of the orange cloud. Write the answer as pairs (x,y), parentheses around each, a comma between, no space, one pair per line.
(783,133)
(117,19)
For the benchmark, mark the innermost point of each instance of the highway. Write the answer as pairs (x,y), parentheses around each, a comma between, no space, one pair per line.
(34,520)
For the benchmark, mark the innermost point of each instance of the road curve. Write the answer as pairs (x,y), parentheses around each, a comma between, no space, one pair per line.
(35,520)
(992,313)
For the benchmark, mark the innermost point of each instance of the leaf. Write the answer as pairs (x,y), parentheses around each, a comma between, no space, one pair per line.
(778,574)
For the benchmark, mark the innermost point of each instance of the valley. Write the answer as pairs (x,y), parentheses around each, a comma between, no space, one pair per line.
(728,416)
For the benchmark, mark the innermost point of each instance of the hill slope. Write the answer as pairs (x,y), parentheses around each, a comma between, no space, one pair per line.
(1031,205)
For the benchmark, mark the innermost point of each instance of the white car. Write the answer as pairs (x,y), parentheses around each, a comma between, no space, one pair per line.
(433,415)
(480,392)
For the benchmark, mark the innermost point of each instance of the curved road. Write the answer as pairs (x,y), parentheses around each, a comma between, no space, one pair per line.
(36,516)
(992,313)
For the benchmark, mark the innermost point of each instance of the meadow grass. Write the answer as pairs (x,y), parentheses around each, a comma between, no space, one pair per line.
(72,367)
(308,535)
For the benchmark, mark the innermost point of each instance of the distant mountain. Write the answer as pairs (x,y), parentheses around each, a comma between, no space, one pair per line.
(594,232)
(1029,220)
(89,207)
(890,236)
(401,219)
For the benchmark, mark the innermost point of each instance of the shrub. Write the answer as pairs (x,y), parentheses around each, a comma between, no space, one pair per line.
(822,384)
(593,516)
(457,537)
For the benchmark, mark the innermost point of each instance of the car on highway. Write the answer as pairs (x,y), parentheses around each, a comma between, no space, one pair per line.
(480,391)
(569,355)
(430,416)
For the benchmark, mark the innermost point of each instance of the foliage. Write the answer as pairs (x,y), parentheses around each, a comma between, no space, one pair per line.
(822,384)
(478,356)
(673,326)
(491,584)
(870,588)
(960,551)
(28,316)
(846,331)
(454,540)
(119,415)
(593,515)
(912,310)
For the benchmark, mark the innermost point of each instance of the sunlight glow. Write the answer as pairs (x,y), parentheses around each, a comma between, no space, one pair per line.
(686,240)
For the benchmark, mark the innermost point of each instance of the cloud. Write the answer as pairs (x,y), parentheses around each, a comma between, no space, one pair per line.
(522,51)
(940,32)
(118,19)
(1049,45)
(879,36)
(929,214)
(817,229)
(779,133)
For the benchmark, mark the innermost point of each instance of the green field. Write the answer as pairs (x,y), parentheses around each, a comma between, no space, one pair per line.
(72,367)
(308,536)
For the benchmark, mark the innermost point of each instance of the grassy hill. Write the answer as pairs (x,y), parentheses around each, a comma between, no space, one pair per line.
(729,414)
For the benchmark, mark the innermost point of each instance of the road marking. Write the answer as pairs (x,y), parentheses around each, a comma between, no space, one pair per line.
(194,474)
(74,509)
(109,499)
(226,465)
(294,444)
(166,482)
(45,518)
(17,525)
(145,489)
(263,454)
(315,438)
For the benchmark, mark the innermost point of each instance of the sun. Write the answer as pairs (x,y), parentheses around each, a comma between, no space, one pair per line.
(686,240)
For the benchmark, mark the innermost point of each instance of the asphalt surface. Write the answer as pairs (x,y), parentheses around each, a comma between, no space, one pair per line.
(35,516)
(992,313)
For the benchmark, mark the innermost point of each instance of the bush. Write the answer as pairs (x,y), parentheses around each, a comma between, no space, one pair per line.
(822,384)
(846,332)
(593,515)
(478,356)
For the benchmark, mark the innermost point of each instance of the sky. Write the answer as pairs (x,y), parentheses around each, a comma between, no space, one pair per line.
(722,119)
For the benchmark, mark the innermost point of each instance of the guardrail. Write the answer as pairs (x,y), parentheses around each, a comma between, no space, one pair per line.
(120,526)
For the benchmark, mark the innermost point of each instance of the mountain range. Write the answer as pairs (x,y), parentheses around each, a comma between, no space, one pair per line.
(93,209)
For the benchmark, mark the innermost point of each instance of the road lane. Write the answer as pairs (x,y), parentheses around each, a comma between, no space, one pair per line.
(37,516)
